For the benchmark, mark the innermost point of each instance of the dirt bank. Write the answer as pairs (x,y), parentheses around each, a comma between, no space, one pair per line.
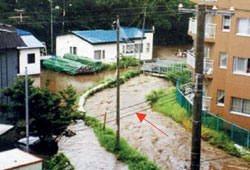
(172,152)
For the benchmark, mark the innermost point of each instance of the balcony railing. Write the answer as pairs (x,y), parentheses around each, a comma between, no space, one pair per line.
(209,29)
(208,64)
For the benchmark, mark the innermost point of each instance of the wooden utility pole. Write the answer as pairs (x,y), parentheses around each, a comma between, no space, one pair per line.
(118,83)
(27,107)
(197,108)
(142,36)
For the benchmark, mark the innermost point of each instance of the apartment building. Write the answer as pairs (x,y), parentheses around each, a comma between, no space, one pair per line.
(227,59)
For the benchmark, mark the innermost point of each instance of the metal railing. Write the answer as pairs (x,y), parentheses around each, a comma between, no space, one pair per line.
(210,29)
(208,64)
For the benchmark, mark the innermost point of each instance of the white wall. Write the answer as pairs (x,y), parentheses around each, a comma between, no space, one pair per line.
(33,68)
(64,42)
(36,166)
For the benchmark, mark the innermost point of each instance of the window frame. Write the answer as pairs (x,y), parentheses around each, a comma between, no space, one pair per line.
(99,54)
(129,51)
(220,59)
(223,24)
(148,47)
(33,60)
(218,102)
(247,66)
(248,26)
(241,113)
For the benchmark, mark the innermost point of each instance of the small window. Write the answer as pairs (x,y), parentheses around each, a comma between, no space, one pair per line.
(206,52)
(136,48)
(223,60)
(141,48)
(123,49)
(226,23)
(73,50)
(221,97)
(129,49)
(31,58)
(148,47)
(103,54)
(97,54)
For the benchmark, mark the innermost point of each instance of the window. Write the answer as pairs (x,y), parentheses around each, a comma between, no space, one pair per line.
(223,60)
(141,48)
(206,52)
(243,26)
(240,105)
(73,50)
(220,97)
(31,58)
(97,54)
(226,23)
(129,49)
(136,48)
(241,65)
(148,47)
(123,49)
(103,54)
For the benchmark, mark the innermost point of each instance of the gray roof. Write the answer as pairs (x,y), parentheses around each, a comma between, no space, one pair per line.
(9,39)
(31,41)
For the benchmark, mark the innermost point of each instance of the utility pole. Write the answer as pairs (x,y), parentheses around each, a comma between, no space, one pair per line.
(197,108)
(142,36)
(51,27)
(64,13)
(118,83)
(27,107)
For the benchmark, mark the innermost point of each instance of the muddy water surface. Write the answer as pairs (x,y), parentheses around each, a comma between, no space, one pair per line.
(172,152)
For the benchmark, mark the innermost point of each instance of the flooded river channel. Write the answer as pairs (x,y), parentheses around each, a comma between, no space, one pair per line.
(81,82)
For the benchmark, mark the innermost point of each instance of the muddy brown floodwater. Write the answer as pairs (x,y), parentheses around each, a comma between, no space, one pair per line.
(172,152)
(81,82)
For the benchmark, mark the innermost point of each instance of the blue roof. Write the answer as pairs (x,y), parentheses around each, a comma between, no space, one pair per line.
(22,32)
(109,36)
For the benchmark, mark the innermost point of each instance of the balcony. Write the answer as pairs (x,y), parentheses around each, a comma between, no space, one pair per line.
(210,30)
(207,2)
(208,64)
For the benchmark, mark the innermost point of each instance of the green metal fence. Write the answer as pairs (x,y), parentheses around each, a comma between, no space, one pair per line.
(238,134)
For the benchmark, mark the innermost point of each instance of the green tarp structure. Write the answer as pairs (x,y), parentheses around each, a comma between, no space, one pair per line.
(97,65)
(68,66)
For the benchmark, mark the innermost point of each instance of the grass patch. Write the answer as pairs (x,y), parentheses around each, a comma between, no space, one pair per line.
(125,153)
(58,162)
(184,76)
(164,101)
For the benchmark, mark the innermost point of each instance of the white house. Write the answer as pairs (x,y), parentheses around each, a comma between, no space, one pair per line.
(101,44)
(17,159)
(29,56)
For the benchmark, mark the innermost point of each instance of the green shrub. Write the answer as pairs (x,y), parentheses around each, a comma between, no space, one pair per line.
(125,62)
(58,162)
(184,76)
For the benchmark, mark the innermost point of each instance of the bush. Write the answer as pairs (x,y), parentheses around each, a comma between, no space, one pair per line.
(58,162)
(125,62)
(184,76)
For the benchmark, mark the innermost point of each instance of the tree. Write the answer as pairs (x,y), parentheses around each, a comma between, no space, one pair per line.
(50,113)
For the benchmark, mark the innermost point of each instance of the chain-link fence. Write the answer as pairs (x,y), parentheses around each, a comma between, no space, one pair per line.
(238,134)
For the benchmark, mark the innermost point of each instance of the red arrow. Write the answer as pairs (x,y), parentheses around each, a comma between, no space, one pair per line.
(142,116)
